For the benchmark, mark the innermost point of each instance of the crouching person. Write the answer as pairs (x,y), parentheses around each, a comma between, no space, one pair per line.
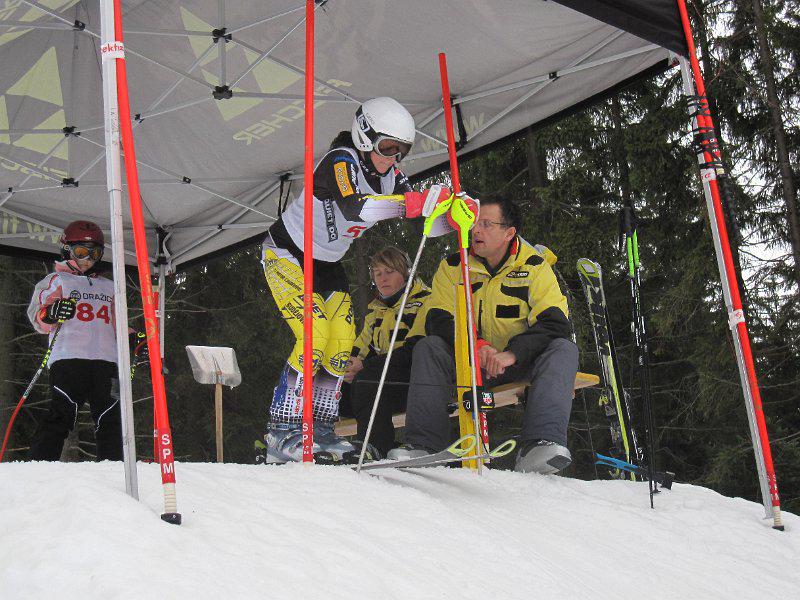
(389,270)
(523,335)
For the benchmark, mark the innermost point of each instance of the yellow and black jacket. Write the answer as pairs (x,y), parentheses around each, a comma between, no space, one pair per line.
(518,306)
(380,319)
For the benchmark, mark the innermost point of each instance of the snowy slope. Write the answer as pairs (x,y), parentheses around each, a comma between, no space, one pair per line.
(70,532)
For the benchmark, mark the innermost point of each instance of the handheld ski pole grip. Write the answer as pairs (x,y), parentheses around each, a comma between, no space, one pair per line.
(463,216)
(431,199)
(438,210)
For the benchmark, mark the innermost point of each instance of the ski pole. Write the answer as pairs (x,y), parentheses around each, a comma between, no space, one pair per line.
(42,365)
(431,211)
(631,240)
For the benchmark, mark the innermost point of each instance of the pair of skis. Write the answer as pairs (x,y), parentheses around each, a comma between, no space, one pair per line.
(629,459)
(614,399)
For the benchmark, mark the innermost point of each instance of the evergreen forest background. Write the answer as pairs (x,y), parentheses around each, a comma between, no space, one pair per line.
(571,178)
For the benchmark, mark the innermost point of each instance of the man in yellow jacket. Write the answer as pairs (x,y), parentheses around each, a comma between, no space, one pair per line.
(523,335)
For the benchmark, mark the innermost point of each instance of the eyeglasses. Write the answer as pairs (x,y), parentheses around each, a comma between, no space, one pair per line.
(487,224)
(82,251)
(392,148)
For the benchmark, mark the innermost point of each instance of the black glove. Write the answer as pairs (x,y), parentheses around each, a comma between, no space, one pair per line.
(60,310)
(138,345)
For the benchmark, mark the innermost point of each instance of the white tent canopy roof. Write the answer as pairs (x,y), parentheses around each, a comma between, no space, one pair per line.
(211,169)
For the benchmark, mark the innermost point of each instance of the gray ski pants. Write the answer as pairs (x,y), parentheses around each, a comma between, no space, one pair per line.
(549,400)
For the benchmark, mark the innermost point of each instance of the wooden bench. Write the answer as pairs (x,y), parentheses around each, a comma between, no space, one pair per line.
(507,394)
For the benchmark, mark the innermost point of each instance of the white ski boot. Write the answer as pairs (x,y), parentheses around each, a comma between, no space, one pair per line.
(285,443)
(542,456)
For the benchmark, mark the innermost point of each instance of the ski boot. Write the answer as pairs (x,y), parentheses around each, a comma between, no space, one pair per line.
(284,443)
(407,451)
(332,448)
(542,456)
(370,455)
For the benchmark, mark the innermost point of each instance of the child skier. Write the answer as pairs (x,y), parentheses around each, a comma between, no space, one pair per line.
(80,303)
(356,184)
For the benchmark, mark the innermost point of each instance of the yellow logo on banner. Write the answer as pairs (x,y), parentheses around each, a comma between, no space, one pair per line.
(40,82)
(270,77)
(16,10)
(343,179)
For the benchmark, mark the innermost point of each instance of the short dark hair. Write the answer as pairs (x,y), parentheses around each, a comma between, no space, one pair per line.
(510,211)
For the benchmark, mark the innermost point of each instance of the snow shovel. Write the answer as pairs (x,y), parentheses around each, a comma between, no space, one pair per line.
(215,365)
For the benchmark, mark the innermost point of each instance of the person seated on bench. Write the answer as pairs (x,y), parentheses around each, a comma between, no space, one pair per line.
(523,335)
(389,271)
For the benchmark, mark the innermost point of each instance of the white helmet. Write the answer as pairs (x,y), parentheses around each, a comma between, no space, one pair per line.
(381,117)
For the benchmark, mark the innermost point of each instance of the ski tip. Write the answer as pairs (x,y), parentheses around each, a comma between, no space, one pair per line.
(588,266)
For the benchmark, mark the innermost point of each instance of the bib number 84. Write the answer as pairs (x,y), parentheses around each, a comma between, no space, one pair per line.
(85,312)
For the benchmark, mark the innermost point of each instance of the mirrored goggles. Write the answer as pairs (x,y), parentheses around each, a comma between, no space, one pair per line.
(392,148)
(82,251)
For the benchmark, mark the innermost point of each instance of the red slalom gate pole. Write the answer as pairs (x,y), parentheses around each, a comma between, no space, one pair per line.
(711,165)
(481,424)
(308,245)
(163,434)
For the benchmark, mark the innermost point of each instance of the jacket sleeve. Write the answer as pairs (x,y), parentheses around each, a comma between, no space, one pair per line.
(415,319)
(362,345)
(336,180)
(47,291)
(547,320)
(439,319)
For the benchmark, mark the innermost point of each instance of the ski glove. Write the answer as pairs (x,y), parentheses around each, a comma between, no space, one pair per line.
(420,203)
(60,310)
(137,341)
(464,212)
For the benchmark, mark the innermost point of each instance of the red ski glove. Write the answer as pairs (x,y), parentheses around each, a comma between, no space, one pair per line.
(418,202)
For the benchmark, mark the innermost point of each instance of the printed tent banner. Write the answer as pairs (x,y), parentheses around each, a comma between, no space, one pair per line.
(217,98)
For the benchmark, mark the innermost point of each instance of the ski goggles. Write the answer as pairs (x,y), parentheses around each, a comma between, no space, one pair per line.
(391,148)
(82,251)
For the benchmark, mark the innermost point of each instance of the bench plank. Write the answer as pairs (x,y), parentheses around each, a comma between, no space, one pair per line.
(507,394)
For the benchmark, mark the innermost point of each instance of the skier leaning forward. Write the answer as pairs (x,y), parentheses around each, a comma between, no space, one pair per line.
(356,184)
(83,360)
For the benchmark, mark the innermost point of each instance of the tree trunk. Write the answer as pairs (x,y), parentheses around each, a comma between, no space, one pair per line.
(537,166)
(621,155)
(361,292)
(781,146)
(8,391)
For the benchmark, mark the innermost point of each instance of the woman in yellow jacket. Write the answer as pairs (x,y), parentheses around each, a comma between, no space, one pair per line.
(389,271)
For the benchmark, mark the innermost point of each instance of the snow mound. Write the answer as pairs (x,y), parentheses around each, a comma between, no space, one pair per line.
(69,531)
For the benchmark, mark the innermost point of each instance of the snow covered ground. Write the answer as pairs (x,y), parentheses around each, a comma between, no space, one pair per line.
(69,531)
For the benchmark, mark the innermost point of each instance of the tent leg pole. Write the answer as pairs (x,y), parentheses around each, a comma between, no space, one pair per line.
(114,185)
(166,458)
(710,167)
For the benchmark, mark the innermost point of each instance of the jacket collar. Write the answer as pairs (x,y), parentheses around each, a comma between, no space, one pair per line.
(508,260)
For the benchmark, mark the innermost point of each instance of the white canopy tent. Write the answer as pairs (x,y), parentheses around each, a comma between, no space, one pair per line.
(217,97)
